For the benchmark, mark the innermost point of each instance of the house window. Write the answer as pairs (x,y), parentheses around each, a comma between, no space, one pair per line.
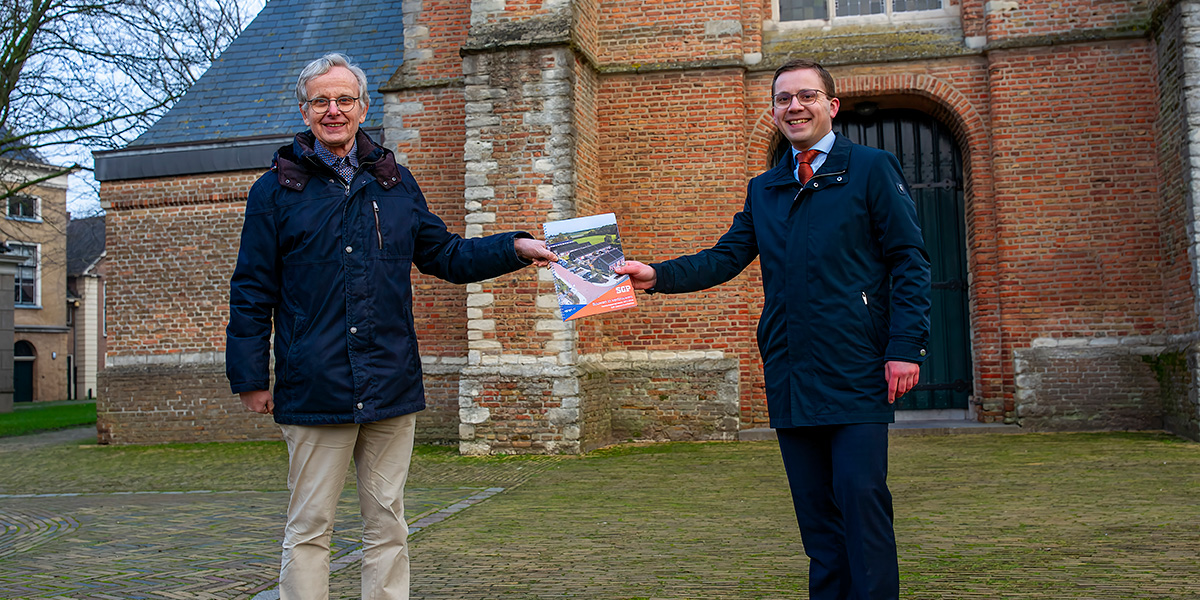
(26,282)
(23,207)
(828,10)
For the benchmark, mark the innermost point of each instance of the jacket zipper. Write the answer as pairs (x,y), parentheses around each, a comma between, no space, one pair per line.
(864,294)
(378,232)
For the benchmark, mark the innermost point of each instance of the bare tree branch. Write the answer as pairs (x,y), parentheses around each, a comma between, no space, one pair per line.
(97,73)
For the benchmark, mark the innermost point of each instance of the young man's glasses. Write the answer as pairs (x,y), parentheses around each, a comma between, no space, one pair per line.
(806,97)
(321,105)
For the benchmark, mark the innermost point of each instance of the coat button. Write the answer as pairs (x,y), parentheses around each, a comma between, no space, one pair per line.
(922,352)
(349,249)
(353,330)
(816,185)
(839,178)
(359,405)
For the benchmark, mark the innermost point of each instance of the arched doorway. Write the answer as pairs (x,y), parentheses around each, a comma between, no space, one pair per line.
(23,357)
(932,164)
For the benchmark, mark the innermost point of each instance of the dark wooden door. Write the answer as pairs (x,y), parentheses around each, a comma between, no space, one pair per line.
(23,357)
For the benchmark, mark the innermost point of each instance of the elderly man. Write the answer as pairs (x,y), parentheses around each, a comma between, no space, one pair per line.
(329,239)
(843,328)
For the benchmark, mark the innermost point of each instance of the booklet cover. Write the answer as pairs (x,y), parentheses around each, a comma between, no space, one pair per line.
(588,248)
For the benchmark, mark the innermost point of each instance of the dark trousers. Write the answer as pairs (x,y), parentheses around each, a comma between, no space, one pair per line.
(838,476)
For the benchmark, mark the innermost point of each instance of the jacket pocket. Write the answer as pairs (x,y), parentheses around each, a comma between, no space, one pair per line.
(874,324)
(394,226)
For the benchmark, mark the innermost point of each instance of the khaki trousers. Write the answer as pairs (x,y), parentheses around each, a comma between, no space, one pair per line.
(318,457)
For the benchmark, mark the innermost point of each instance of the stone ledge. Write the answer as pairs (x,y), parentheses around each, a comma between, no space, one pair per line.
(906,428)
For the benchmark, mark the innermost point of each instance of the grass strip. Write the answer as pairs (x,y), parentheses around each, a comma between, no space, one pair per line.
(46,416)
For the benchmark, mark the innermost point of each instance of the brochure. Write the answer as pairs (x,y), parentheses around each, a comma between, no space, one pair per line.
(588,248)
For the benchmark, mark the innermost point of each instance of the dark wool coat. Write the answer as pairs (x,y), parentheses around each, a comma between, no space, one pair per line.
(845,279)
(328,265)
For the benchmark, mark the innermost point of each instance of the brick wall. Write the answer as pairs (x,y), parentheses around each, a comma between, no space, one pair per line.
(668,400)
(1088,388)
(168,296)
(1079,241)
(1176,215)
(1078,256)
(1178,366)
(1007,20)
(673,167)
(171,246)
(174,402)
(655,33)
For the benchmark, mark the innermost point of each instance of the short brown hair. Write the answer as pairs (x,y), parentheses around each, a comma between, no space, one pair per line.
(798,64)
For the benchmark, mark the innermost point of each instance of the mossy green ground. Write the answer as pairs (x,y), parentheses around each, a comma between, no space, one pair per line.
(1077,516)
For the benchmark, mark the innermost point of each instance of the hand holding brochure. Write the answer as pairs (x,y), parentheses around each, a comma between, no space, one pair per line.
(588,248)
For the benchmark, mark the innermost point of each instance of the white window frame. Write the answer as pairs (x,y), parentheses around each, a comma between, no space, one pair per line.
(37,275)
(37,209)
(949,14)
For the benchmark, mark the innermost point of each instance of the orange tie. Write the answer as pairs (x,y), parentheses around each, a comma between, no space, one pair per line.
(805,163)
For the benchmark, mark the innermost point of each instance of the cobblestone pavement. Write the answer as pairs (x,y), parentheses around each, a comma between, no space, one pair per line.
(1078,516)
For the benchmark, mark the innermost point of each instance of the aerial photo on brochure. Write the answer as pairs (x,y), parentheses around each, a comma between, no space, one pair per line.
(588,248)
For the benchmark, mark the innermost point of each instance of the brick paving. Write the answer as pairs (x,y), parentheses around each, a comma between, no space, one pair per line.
(1082,516)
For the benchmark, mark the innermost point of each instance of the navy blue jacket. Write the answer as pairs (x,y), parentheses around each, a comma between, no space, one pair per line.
(828,253)
(329,265)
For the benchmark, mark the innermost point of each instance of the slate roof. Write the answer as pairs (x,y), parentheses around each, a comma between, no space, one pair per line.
(250,90)
(85,243)
(25,154)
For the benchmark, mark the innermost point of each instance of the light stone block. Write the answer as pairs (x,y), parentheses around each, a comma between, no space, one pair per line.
(724,27)
(480,217)
(480,299)
(548,325)
(570,432)
(482,324)
(474,415)
(567,386)
(560,417)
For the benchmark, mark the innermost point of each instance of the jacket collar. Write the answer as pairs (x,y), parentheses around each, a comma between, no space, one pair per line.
(836,163)
(296,163)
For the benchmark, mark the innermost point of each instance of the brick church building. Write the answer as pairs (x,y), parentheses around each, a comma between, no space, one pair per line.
(1053,150)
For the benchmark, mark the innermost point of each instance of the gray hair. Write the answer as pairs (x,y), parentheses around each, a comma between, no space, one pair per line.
(322,66)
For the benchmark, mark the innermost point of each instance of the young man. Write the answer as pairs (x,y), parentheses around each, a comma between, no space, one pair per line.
(843,330)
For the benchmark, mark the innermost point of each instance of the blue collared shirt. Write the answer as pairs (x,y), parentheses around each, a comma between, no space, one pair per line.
(346,166)
(825,144)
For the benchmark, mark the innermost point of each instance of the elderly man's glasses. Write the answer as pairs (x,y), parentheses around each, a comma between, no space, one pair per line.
(321,105)
(806,97)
